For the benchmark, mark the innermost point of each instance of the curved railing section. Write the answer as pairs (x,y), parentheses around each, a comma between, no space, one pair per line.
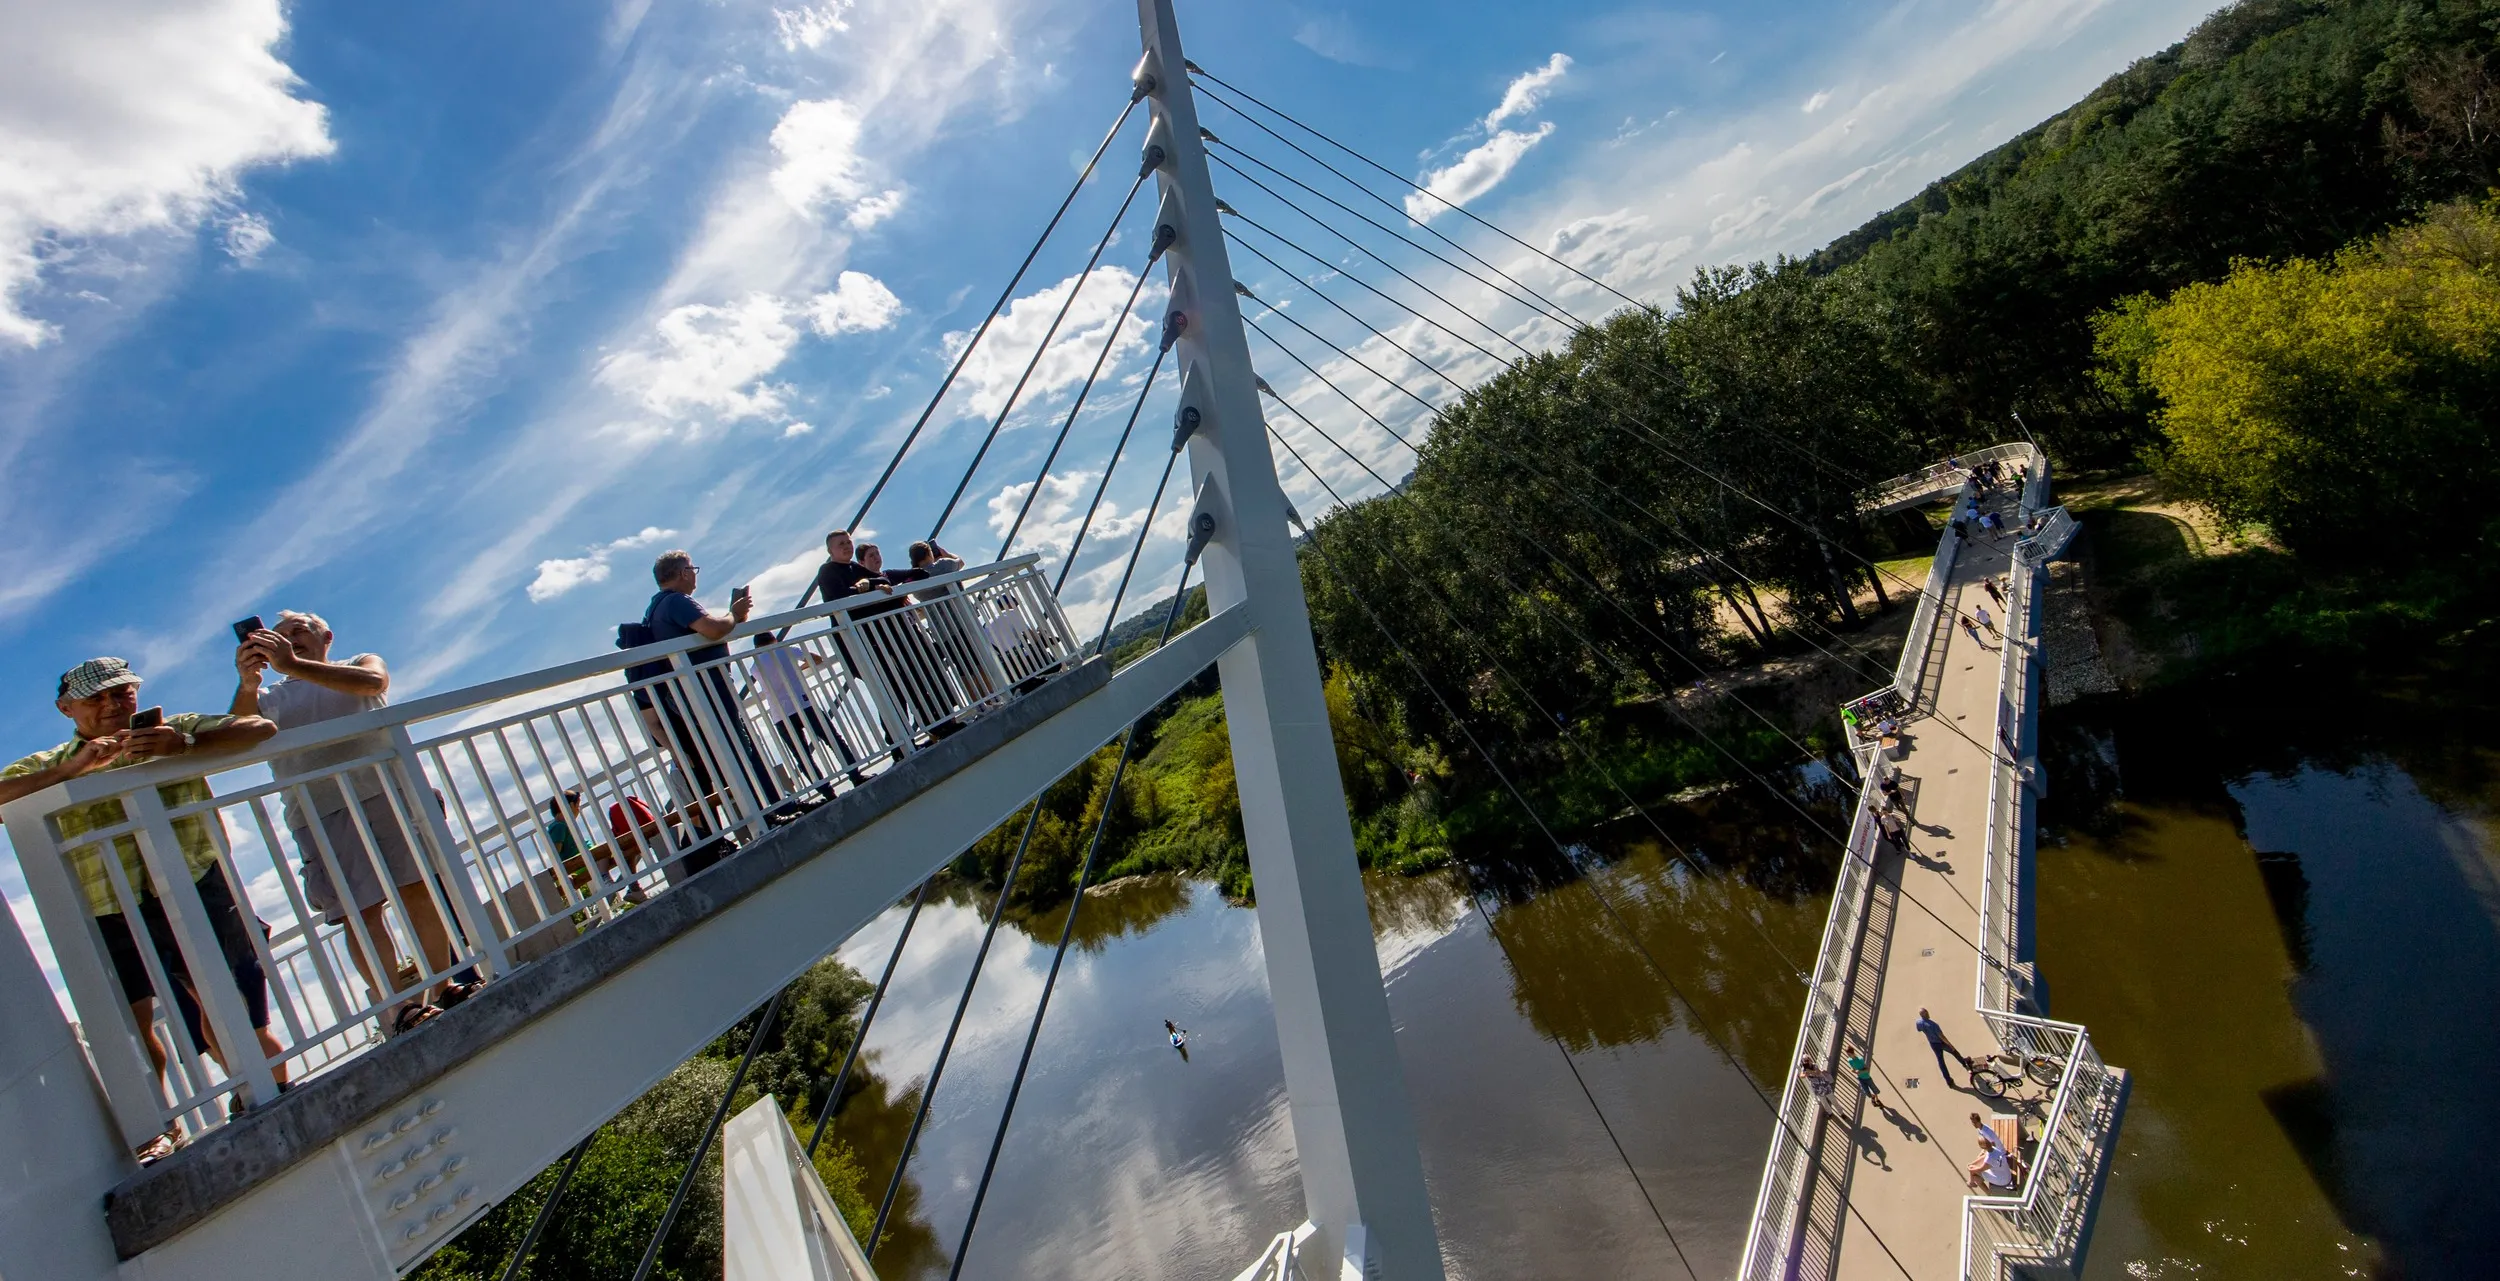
(488,826)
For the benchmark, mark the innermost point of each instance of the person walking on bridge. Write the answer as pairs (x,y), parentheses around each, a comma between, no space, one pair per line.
(1866,1073)
(1937,1043)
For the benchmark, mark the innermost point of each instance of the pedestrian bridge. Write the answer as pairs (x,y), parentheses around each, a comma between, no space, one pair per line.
(1872,1184)
(382,1148)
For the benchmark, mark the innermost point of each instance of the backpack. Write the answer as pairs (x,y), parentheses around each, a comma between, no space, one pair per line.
(635,636)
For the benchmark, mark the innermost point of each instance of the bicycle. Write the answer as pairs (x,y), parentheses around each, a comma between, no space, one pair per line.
(1994,1074)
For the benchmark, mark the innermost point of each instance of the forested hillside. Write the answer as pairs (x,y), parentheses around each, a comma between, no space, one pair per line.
(2279,128)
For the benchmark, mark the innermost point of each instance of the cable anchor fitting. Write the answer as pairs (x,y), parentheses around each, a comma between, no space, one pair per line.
(1149,160)
(1185,425)
(1207,135)
(1244,291)
(1201,532)
(1173,326)
(1222,208)
(1264,389)
(1166,235)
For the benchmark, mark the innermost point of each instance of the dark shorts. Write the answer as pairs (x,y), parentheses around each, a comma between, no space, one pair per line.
(233,941)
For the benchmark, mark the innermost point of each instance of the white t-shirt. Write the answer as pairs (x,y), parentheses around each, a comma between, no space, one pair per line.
(1997,1173)
(785,690)
(1008,630)
(294,704)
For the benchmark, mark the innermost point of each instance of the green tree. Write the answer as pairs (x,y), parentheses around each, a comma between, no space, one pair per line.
(2346,405)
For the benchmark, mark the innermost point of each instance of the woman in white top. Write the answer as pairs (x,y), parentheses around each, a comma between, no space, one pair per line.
(1991,1172)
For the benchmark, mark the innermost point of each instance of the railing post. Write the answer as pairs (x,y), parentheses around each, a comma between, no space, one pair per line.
(1354,1129)
(221,1002)
(468,910)
(104,1022)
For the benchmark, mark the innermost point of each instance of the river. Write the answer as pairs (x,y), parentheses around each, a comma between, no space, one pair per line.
(2282,920)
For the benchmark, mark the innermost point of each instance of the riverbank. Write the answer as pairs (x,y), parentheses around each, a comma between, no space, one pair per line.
(2172,598)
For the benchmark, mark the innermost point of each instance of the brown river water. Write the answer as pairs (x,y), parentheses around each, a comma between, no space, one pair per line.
(2282,918)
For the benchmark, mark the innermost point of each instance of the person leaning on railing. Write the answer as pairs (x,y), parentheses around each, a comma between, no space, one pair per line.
(910,662)
(674,613)
(948,620)
(99,697)
(314,689)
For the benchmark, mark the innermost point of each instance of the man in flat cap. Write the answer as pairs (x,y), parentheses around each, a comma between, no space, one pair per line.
(100,697)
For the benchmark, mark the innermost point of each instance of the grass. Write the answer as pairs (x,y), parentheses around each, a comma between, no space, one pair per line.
(2176,597)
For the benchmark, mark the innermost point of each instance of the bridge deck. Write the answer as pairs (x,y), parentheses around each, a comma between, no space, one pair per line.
(1898,1159)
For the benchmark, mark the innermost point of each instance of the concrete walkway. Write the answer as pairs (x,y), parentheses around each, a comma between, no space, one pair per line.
(1889,1168)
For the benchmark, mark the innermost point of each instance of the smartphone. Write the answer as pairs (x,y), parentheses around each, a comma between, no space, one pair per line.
(149,719)
(243,630)
(741,592)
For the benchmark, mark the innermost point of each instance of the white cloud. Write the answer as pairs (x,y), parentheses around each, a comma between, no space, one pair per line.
(817,143)
(797,429)
(708,361)
(868,211)
(857,303)
(119,117)
(558,576)
(992,372)
(1479,171)
(248,237)
(1816,103)
(1528,92)
(809,26)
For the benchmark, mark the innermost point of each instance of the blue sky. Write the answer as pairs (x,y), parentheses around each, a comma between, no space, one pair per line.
(440,320)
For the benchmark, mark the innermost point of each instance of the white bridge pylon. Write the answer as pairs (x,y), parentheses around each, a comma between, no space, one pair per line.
(368,1166)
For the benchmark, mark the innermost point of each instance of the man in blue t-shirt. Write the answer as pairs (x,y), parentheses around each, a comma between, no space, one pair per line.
(674,613)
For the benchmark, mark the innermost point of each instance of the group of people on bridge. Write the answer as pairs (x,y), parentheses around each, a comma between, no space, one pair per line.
(356,858)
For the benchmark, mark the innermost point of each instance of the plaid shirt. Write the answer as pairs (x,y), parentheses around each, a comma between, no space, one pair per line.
(199,847)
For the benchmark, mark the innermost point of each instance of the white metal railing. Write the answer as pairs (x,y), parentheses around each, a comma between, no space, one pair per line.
(2043,1222)
(1912,667)
(1779,1203)
(476,830)
(1938,478)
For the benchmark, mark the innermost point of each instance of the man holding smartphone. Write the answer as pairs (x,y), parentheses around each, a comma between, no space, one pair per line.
(316,689)
(101,699)
(674,613)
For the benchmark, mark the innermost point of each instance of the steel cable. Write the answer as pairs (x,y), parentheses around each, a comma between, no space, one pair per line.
(983,329)
(1461,210)
(1042,348)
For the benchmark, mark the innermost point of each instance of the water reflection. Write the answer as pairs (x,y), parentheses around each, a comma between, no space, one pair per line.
(2276,903)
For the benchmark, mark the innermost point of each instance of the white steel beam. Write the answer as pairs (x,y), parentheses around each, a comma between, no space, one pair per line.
(1354,1130)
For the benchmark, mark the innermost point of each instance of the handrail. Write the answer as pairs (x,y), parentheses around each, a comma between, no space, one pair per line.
(470,697)
(489,841)
(1936,478)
